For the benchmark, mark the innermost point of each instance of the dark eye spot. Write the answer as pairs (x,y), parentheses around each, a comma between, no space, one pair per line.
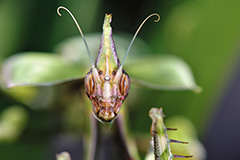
(114,73)
(100,72)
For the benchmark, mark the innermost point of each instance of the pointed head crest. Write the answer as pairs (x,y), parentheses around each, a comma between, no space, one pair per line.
(107,60)
(107,20)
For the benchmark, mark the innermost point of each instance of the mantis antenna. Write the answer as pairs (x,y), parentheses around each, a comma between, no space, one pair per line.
(85,42)
(134,37)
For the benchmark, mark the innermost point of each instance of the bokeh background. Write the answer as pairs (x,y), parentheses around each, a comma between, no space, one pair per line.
(204,33)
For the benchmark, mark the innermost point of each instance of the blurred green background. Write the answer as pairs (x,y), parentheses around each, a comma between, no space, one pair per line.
(205,33)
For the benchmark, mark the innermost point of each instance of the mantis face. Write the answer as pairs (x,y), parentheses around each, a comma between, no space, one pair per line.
(107,92)
(107,84)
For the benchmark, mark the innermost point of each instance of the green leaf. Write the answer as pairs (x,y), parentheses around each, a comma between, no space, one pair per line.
(162,72)
(186,131)
(12,122)
(38,69)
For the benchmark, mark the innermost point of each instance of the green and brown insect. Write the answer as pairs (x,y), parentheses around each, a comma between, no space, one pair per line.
(107,84)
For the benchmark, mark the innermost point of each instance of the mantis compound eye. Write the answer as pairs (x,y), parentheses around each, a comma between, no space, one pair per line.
(89,83)
(124,84)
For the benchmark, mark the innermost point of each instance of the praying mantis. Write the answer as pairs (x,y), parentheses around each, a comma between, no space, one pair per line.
(107,84)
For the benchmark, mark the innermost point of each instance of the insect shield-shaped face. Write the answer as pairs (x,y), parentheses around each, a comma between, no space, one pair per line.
(106,95)
(107,84)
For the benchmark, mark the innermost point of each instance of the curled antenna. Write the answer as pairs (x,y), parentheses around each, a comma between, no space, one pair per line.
(58,11)
(154,14)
